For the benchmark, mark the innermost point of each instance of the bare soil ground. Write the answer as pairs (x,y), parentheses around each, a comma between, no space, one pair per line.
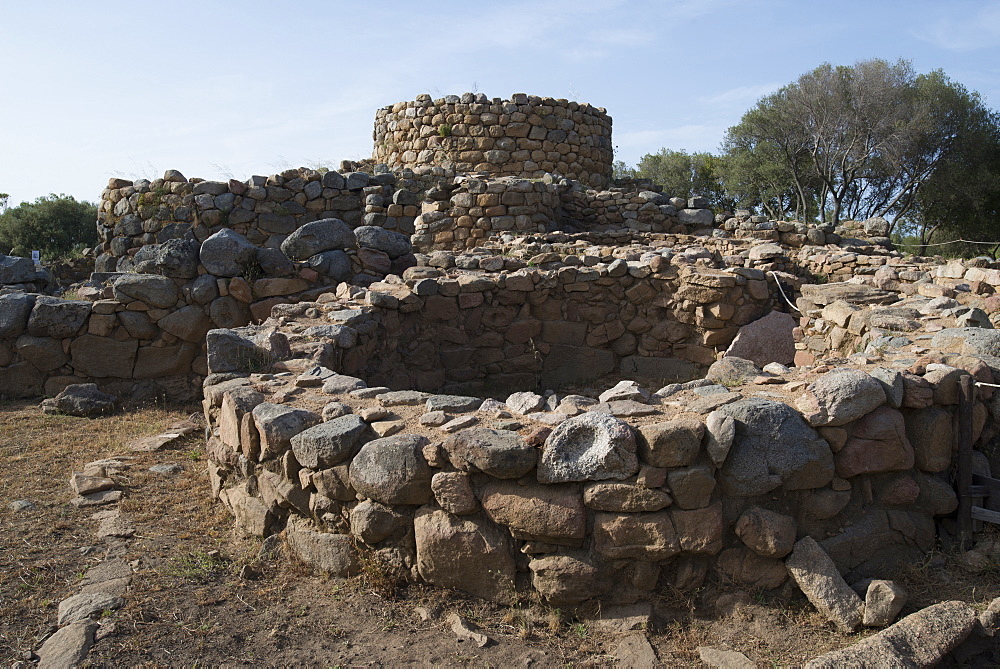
(201,597)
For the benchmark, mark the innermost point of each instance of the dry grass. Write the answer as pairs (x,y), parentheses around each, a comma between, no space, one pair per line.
(40,558)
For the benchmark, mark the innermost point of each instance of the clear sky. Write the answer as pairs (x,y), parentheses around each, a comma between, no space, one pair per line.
(96,89)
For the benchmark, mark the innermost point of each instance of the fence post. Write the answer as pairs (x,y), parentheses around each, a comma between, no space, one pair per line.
(966,398)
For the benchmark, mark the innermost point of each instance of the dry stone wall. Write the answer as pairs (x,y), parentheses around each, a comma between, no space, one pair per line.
(581,497)
(526,136)
(263,209)
(473,210)
(146,328)
(490,331)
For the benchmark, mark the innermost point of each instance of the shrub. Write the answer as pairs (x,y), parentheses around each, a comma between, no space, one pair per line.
(56,225)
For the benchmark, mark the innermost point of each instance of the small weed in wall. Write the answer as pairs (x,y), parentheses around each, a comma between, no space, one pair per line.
(444,130)
(252,271)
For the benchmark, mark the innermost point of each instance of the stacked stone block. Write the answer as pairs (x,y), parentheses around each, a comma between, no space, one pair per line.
(263,209)
(526,136)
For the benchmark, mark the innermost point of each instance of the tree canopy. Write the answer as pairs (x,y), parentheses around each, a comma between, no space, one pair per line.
(56,225)
(684,174)
(851,142)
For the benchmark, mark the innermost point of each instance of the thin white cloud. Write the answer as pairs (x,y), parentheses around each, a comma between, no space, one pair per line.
(965,32)
(741,95)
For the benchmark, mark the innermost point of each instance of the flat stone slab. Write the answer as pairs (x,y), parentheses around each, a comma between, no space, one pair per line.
(107,571)
(623,408)
(83,484)
(97,498)
(68,647)
(401,398)
(626,618)
(84,605)
(154,443)
(115,527)
(635,651)
(724,659)
(453,403)
(817,576)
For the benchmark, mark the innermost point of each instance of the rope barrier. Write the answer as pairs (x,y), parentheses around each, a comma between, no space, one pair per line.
(954,241)
(782,291)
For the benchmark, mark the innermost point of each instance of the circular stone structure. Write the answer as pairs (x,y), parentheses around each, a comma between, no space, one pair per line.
(526,136)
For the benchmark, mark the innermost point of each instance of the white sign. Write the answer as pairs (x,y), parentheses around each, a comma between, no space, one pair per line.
(36,256)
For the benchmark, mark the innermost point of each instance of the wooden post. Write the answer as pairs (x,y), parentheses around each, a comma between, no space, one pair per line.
(965,401)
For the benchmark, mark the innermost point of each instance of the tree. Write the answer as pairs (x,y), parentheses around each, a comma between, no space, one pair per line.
(860,141)
(961,199)
(621,170)
(56,225)
(684,174)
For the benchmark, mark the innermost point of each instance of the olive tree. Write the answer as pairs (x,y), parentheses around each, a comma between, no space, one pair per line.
(859,140)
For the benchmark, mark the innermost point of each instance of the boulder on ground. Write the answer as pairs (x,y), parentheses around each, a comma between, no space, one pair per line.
(921,639)
(84,399)
(817,576)
(733,371)
(883,602)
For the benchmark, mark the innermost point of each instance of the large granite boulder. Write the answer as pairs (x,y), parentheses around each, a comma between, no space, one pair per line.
(588,447)
(326,234)
(54,317)
(498,453)
(550,513)
(921,639)
(390,242)
(969,341)
(176,258)
(392,470)
(15,308)
(766,340)
(465,552)
(155,290)
(817,576)
(773,447)
(227,253)
(103,357)
(840,396)
(45,353)
(84,399)
(277,424)
(330,443)
(14,269)
(335,264)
